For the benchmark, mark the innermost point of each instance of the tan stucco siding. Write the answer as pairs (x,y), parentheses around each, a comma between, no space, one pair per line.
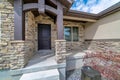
(106,28)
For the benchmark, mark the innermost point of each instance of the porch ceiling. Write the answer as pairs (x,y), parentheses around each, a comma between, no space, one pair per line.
(36,12)
(66,3)
(30,1)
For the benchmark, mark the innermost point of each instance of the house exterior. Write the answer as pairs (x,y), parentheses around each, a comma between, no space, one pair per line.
(31,25)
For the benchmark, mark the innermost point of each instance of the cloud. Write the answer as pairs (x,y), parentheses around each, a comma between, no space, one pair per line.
(93,6)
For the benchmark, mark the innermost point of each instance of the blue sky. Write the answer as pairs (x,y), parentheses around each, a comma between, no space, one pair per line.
(93,6)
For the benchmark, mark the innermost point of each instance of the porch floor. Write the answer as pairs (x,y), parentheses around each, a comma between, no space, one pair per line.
(47,58)
(42,58)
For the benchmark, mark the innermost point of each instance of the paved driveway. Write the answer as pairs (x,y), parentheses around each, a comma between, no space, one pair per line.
(4,75)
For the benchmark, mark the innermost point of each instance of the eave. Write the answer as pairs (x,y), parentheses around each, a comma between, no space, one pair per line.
(66,3)
(85,15)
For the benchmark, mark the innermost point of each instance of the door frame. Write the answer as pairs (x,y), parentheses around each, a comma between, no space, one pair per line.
(38,35)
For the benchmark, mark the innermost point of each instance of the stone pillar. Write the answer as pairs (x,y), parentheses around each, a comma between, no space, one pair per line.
(60,50)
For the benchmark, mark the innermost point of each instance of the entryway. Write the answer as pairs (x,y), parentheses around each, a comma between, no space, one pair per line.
(44,36)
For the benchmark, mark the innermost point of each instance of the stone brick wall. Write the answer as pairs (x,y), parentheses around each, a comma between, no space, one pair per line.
(7,19)
(31,30)
(4,58)
(103,45)
(19,52)
(104,56)
(15,54)
(79,45)
(60,50)
(7,31)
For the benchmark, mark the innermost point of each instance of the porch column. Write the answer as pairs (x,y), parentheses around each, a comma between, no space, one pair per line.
(60,43)
(41,6)
(60,48)
(19,30)
(60,28)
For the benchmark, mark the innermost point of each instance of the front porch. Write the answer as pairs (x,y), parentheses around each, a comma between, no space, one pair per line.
(41,24)
(44,63)
(20,47)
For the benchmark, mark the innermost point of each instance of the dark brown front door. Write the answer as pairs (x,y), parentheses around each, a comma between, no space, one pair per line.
(44,36)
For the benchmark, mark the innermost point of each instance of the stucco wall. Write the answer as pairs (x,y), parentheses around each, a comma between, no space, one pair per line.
(106,28)
(104,34)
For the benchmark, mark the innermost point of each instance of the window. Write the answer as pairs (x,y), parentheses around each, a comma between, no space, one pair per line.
(67,33)
(71,33)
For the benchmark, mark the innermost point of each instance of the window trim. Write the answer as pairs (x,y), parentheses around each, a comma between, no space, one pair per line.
(72,33)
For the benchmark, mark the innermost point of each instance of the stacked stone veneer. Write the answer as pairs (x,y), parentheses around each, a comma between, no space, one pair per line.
(103,45)
(105,57)
(15,54)
(7,20)
(6,29)
(19,53)
(7,25)
(31,30)
(60,50)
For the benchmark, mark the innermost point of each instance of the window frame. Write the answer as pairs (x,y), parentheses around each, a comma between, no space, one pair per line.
(72,33)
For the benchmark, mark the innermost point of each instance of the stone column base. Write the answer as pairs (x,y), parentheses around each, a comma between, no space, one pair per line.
(60,50)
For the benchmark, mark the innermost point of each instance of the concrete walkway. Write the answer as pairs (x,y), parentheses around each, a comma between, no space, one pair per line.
(42,67)
(42,58)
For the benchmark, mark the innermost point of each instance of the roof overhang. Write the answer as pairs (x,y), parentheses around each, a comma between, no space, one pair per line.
(66,3)
(85,15)
(79,15)
(110,10)
(78,19)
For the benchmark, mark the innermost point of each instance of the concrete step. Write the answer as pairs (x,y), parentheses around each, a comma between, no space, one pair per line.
(39,66)
(42,66)
(35,65)
(42,75)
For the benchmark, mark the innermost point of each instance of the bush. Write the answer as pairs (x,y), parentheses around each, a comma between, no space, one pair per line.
(107,63)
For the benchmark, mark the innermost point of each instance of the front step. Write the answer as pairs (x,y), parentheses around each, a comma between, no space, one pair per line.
(40,65)
(42,75)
